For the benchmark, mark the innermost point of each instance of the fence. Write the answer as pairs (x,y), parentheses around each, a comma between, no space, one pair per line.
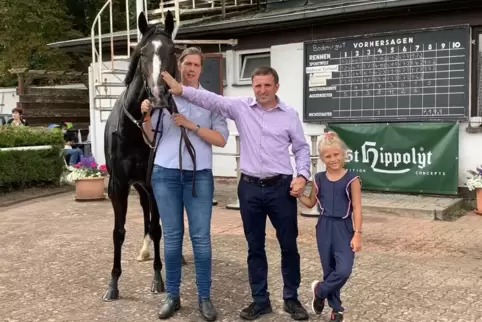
(314,163)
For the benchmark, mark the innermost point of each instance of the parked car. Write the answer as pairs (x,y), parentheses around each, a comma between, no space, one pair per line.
(4,118)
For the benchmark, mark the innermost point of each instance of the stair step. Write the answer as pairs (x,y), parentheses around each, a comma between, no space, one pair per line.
(109,84)
(121,57)
(114,71)
(104,109)
(100,97)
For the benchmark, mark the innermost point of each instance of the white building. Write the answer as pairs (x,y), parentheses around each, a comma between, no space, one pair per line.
(275,33)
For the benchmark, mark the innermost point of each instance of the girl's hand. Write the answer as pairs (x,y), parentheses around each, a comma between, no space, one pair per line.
(356,243)
(296,194)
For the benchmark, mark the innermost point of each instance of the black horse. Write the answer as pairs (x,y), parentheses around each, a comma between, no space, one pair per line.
(129,159)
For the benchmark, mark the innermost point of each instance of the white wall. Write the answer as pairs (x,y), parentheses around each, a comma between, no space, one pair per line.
(8,99)
(288,61)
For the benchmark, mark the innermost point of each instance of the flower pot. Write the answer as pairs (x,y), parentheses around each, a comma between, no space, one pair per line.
(478,194)
(89,189)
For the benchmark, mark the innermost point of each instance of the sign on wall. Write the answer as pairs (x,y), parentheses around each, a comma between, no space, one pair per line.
(403,157)
(411,75)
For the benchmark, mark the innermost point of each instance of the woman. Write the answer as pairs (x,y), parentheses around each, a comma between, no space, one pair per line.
(17,118)
(173,190)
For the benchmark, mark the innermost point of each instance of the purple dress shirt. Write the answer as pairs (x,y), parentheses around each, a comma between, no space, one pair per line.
(265,135)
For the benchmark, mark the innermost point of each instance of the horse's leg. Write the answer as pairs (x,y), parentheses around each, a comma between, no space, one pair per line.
(155,231)
(118,197)
(144,254)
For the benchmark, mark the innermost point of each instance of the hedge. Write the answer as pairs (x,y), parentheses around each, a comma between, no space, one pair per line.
(27,168)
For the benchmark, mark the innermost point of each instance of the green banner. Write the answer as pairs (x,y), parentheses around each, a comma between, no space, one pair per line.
(403,157)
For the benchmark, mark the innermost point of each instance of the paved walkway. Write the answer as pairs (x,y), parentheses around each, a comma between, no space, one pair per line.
(56,257)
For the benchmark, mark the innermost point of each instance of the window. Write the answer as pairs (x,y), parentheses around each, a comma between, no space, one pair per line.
(247,62)
(478,110)
(225,78)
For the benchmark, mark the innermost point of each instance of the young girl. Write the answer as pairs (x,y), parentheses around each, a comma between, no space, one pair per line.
(337,192)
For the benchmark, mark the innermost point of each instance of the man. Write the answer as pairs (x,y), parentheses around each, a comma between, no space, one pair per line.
(267,126)
(74,154)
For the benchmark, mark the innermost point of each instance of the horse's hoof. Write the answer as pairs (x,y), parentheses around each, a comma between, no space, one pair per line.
(111,295)
(144,257)
(157,287)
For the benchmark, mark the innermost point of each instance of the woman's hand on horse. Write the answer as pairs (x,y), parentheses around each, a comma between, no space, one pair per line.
(146,106)
(181,120)
(174,87)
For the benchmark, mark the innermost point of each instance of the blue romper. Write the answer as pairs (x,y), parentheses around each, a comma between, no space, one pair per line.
(334,231)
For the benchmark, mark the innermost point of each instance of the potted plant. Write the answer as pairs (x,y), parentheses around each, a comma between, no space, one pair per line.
(88,178)
(475,183)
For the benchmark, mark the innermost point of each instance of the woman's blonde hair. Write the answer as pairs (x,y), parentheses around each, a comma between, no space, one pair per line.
(330,138)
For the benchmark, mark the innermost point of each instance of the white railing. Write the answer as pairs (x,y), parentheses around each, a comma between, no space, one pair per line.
(97,51)
(187,7)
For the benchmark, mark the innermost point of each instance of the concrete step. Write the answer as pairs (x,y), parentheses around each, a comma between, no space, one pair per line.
(428,207)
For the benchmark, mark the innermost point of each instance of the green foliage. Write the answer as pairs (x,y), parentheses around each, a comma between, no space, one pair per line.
(16,136)
(26,29)
(22,169)
(27,168)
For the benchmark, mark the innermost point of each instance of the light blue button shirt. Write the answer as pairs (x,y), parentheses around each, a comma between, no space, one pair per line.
(167,155)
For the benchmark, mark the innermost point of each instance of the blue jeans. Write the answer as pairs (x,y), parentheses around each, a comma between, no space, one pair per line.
(75,155)
(173,192)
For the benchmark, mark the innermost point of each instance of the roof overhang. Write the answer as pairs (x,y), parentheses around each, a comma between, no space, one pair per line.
(256,22)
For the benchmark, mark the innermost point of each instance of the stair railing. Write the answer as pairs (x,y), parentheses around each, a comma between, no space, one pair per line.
(96,39)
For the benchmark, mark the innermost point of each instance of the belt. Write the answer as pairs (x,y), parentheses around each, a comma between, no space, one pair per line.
(267,181)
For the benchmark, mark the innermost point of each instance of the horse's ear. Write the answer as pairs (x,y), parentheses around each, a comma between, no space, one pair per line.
(142,23)
(169,23)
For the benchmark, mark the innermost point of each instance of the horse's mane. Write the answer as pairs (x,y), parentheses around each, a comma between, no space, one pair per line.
(136,54)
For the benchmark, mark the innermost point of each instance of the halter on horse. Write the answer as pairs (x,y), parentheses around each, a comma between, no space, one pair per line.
(129,159)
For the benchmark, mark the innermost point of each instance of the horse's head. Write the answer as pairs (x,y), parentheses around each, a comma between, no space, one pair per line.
(154,54)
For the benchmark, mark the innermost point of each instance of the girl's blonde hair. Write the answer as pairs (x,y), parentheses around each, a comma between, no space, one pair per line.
(330,138)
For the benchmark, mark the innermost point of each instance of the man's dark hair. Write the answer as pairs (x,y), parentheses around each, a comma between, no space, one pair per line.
(264,71)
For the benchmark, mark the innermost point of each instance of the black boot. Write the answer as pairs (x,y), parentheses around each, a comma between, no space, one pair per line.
(207,310)
(254,311)
(169,305)
(295,309)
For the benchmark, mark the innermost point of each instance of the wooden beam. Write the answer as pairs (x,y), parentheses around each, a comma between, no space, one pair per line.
(60,106)
(49,91)
(57,112)
(34,99)
(223,9)
(17,70)
(36,121)
(36,72)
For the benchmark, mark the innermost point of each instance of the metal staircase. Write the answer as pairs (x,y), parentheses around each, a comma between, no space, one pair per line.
(108,74)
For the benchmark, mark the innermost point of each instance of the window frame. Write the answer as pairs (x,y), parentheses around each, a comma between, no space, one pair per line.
(241,57)
(476,72)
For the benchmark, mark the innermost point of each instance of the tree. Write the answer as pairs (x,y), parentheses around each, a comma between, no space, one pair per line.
(26,27)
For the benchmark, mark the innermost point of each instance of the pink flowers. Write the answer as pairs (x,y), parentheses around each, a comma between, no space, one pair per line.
(103,167)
